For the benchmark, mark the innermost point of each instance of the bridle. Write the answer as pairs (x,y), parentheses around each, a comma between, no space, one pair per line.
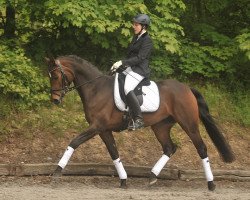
(65,81)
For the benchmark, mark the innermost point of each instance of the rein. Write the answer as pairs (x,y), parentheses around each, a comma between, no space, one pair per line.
(65,82)
(68,89)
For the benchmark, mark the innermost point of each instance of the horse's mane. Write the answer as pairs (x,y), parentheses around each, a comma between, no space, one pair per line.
(81,61)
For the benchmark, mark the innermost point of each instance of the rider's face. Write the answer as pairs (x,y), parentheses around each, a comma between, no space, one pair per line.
(137,27)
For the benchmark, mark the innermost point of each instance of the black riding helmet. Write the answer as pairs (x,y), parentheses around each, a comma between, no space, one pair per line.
(142,19)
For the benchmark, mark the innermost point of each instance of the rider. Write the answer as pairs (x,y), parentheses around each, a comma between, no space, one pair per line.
(136,65)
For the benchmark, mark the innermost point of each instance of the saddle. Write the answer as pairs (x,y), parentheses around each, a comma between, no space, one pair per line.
(147,94)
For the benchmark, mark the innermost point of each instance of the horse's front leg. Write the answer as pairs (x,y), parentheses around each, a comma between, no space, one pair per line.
(83,137)
(108,139)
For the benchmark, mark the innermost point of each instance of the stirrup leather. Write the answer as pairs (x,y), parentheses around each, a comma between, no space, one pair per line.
(134,125)
(131,125)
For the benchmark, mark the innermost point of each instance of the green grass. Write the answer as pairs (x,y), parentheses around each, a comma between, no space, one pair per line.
(54,119)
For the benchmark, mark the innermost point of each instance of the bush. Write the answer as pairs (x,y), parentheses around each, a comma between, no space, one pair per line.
(20,81)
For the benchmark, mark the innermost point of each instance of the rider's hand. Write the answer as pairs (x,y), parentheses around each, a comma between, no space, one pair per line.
(116,66)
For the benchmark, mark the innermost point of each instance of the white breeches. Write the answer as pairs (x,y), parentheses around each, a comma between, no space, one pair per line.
(132,80)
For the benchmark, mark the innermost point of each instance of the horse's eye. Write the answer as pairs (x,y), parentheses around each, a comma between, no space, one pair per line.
(54,77)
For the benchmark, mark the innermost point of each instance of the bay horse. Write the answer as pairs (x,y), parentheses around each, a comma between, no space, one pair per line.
(178,104)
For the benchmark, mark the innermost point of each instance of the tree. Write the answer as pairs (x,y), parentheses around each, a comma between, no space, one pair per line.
(212,34)
(191,38)
(8,22)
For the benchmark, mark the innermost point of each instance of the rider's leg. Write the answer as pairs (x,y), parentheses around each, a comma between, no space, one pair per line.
(131,81)
(135,111)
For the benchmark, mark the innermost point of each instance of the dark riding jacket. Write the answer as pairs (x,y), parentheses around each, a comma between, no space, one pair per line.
(138,55)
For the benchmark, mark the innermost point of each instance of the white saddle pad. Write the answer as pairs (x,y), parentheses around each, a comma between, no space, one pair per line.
(150,94)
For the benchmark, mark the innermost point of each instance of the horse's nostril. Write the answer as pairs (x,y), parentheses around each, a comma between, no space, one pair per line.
(56,101)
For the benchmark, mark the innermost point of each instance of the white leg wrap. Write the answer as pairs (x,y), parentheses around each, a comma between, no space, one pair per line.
(207,169)
(66,156)
(120,169)
(160,164)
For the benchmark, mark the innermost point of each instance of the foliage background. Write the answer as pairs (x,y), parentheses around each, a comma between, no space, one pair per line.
(205,43)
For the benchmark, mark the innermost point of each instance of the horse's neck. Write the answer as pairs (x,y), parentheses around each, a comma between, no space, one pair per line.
(83,74)
(85,82)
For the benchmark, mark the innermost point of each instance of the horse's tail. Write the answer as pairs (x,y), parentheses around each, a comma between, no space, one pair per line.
(214,133)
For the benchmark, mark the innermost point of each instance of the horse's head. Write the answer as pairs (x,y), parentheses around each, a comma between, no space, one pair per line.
(61,75)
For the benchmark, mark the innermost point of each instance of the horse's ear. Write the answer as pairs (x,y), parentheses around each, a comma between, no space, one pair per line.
(46,60)
(49,60)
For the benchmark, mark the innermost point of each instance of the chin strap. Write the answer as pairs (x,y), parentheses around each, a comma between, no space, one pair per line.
(141,31)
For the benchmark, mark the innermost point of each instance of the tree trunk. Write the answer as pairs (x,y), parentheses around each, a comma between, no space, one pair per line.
(200,10)
(10,24)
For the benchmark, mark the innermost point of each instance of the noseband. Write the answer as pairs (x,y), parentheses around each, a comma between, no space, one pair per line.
(65,81)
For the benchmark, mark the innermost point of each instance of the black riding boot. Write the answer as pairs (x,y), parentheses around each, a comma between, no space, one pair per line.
(135,110)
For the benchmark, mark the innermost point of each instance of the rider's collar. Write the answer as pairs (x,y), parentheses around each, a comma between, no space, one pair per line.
(142,32)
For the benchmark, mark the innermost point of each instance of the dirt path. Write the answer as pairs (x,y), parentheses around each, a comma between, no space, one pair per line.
(101,188)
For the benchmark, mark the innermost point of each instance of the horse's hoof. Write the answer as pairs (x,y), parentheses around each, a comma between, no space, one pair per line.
(57,173)
(152,179)
(123,184)
(56,177)
(211,185)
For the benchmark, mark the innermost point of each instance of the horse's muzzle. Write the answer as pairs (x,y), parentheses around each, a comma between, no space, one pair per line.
(56,97)
(56,101)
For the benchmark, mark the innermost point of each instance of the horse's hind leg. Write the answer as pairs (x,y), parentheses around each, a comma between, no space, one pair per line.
(192,129)
(162,133)
(108,139)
